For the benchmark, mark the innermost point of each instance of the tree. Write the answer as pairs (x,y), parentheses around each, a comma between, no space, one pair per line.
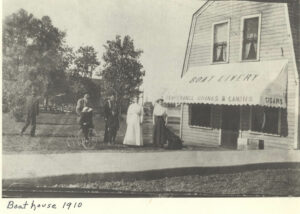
(80,76)
(78,86)
(122,74)
(86,61)
(34,54)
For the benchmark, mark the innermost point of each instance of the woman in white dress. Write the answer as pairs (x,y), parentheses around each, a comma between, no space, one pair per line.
(134,120)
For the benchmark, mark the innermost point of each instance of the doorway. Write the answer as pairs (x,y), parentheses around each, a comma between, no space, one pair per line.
(230,126)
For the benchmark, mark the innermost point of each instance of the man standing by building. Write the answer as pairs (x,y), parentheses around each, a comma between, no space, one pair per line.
(111,117)
(32,109)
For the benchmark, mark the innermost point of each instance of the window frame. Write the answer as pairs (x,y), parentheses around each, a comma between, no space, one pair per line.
(213,41)
(190,117)
(243,18)
(264,133)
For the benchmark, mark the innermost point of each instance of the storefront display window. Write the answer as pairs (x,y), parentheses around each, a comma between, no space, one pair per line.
(200,115)
(265,120)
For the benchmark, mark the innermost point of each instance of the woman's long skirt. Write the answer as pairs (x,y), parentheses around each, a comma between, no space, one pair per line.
(159,131)
(134,131)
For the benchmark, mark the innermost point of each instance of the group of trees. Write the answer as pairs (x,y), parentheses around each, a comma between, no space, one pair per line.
(35,54)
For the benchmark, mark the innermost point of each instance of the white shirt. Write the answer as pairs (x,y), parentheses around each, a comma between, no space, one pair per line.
(159,110)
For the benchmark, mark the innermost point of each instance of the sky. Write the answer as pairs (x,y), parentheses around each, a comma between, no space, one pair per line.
(159,27)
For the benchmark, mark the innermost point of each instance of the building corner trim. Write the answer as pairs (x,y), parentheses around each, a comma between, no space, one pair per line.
(181,121)
(296,134)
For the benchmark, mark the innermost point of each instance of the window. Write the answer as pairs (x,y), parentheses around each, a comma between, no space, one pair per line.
(220,44)
(250,46)
(266,120)
(200,115)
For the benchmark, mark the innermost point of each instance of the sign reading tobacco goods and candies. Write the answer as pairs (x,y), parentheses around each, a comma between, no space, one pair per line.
(219,99)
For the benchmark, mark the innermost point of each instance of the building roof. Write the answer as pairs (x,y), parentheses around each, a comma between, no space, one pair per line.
(294,20)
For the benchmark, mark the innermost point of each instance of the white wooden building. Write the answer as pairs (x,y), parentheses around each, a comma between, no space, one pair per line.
(240,78)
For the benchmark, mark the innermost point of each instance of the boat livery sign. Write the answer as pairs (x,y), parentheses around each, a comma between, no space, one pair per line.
(224,78)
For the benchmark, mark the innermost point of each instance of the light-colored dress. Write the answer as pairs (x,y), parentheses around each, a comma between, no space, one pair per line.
(134,134)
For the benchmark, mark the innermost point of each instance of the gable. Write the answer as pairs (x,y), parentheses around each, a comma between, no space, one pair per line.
(274,36)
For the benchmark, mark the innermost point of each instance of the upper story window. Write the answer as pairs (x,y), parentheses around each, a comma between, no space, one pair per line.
(220,41)
(251,35)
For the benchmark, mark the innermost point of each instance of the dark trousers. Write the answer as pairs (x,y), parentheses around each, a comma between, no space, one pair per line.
(112,134)
(111,129)
(30,120)
(106,132)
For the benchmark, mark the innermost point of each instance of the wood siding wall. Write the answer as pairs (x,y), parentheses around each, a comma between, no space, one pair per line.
(204,136)
(274,45)
(294,15)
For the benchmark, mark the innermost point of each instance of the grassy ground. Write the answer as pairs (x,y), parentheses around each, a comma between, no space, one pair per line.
(52,134)
(269,182)
(55,131)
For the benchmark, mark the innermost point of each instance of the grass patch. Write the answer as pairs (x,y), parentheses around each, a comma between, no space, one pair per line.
(54,132)
(267,182)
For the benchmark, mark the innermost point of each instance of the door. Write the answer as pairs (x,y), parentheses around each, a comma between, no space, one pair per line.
(230,126)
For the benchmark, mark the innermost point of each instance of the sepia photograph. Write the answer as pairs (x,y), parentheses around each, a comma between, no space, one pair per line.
(149,99)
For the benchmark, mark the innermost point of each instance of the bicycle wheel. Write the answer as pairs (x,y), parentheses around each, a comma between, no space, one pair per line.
(91,142)
(74,141)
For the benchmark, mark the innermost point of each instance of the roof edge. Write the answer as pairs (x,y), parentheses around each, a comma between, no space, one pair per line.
(187,50)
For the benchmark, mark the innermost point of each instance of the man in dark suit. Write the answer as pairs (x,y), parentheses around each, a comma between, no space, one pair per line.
(32,109)
(111,117)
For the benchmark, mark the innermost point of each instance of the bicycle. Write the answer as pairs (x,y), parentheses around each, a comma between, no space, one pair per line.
(87,142)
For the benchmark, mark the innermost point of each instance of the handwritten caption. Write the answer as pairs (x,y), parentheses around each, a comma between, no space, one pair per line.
(33,205)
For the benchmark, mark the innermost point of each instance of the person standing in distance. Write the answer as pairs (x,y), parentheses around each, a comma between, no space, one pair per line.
(32,109)
(134,120)
(81,104)
(160,120)
(111,117)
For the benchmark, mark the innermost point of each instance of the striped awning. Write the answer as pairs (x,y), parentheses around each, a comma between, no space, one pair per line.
(245,83)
